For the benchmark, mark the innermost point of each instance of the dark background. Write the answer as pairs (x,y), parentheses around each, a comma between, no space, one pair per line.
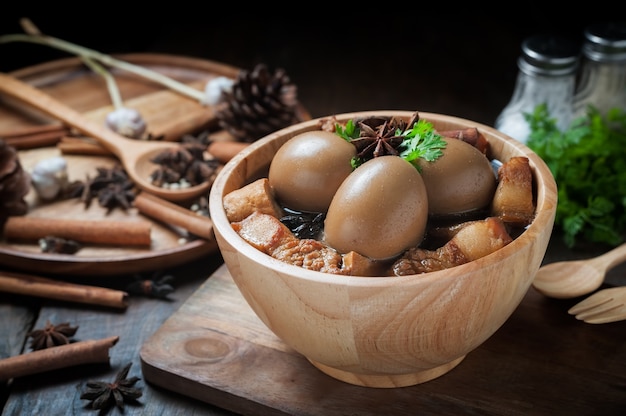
(462,64)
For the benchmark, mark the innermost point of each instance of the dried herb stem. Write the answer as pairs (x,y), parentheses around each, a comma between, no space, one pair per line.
(108,60)
(114,91)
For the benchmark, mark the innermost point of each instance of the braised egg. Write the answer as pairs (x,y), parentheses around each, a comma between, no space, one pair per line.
(307,170)
(379,211)
(460,181)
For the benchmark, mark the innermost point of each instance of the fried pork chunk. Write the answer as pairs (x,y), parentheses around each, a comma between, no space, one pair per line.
(513,199)
(474,240)
(272,237)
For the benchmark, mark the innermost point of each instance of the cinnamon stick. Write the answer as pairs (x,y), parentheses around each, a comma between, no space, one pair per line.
(170,213)
(35,140)
(81,146)
(24,284)
(29,137)
(121,233)
(54,358)
(30,130)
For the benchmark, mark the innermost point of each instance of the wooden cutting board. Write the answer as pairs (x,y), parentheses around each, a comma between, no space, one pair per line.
(216,350)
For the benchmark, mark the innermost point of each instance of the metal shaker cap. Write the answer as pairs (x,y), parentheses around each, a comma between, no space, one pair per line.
(605,42)
(549,55)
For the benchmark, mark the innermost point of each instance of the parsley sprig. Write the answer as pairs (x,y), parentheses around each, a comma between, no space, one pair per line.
(419,141)
(588,162)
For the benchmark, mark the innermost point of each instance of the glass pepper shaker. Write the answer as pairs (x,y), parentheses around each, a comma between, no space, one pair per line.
(603,69)
(547,75)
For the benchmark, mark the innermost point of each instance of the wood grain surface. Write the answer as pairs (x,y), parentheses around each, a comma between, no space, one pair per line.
(216,350)
(167,114)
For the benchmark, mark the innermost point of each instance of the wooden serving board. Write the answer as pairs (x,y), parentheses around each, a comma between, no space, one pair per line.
(216,350)
(168,115)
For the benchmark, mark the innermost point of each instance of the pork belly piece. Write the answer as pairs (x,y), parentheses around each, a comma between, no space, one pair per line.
(255,196)
(513,200)
(266,233)
(470,135)
(473,241)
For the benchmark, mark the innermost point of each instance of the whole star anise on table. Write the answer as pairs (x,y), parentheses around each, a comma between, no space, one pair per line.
(51,335)
(111,187)
(380,136)
(104,395)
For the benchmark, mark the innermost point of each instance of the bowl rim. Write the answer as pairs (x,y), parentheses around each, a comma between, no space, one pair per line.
(545,209)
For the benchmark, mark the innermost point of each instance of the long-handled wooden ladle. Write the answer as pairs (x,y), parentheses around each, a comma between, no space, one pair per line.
(570,279)
(134,154)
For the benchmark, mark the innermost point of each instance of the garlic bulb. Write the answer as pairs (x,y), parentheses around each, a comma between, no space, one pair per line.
(214,88)
(49,177)
(127,122)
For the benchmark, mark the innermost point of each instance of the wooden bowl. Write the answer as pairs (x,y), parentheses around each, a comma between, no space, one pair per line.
(384,331)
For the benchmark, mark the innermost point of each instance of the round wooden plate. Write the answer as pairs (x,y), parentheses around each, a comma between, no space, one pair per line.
(72,83)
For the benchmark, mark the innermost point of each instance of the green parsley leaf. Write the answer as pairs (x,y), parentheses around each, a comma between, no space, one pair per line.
(588,162)
(421,141)
(349,132)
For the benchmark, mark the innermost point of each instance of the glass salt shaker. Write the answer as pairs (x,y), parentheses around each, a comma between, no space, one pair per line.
(547,75)
(603,69)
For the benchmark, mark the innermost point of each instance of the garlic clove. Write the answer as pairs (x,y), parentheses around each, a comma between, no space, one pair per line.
(49,177)
(214,89)
(127,122)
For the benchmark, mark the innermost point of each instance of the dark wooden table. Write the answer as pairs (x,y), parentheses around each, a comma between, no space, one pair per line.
(541,362)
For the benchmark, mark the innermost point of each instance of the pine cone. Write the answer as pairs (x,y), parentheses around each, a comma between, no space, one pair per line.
(14,183)
(258,104)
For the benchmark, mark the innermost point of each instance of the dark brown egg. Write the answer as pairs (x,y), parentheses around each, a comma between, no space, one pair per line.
(307,170)
(379,211)
(460,181)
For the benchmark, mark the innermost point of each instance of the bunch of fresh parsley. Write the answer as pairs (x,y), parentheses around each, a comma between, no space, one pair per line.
(588,162)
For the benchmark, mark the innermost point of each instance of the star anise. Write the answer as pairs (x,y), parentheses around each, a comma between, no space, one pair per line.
(117,194)
(51,335)
(104,395)
(378,137)
(111,187)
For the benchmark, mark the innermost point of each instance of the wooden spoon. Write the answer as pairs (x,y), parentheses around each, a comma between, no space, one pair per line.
(134,154)
(570,279)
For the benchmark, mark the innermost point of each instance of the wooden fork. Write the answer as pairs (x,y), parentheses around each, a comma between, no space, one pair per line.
(604,306)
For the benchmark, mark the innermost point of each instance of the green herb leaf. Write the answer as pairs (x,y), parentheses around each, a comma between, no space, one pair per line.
(588,162)
(421,141)
(349,132)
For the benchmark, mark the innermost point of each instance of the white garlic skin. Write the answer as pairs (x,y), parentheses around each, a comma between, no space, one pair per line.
(214,89)
(127,122)
(49,177)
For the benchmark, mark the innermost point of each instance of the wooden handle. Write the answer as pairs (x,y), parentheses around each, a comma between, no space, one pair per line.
(49,105)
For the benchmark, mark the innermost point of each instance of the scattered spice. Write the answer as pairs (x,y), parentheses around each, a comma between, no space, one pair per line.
(304,224)
(103,395)
(58,245)
(186,165)
(154,288)
(51,335)
(379,136)
(111,187)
